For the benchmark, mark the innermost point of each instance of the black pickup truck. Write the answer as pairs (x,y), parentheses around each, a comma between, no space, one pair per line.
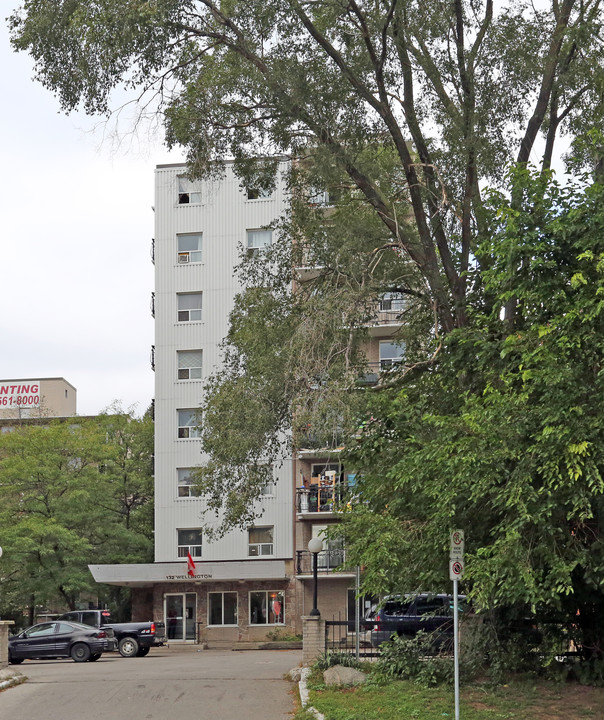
(133,639)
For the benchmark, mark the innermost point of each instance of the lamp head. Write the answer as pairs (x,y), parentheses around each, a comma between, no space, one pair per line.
(315,545)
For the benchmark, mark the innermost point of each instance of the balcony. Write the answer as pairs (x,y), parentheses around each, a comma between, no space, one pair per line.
(377,371)
(321,498)
(385,323)
(327,561)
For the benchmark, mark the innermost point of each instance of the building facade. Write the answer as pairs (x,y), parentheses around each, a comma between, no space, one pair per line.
(242,584)
(324,485)
(255,580)
(25,399)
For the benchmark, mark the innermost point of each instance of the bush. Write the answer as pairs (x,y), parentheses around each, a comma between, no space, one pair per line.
(413,658)
(329,659)
(280,635)
(497,649)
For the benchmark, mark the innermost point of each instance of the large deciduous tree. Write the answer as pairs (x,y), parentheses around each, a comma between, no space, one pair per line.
(454,89)
(504,438)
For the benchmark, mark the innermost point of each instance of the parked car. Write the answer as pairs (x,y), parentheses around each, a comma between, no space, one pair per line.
(408,614)
(60,639)
(133,639)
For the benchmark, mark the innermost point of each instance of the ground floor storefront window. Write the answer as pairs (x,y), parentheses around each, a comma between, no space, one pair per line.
(222,608)
(267,608)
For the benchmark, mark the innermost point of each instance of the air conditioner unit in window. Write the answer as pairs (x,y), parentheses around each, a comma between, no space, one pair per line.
(183,257)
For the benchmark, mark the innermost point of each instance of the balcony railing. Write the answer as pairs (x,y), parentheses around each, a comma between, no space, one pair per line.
(375,370)
(387,317)
(320,498)
(327,561)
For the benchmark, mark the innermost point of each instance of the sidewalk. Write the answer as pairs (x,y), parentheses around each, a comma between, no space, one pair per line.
(175,647)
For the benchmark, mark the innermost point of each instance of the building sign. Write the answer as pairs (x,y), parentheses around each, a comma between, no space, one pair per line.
(198,576)
(20,394)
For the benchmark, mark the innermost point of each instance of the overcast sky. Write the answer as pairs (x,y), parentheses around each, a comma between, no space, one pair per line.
(76,227)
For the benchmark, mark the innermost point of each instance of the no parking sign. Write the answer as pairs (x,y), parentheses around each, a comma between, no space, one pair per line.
(456,568)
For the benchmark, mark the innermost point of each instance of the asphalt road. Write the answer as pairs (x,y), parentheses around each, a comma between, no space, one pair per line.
(165,685)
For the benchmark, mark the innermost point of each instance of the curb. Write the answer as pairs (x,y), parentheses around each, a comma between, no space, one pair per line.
(14,678)
(304,695)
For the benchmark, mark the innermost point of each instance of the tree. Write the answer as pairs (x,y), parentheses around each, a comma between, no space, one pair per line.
(505,437)
(454,90)
(71,494)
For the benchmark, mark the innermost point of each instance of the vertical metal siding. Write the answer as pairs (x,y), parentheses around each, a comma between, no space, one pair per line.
(223,217)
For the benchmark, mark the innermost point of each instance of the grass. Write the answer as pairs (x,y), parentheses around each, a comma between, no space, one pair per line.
(522,699)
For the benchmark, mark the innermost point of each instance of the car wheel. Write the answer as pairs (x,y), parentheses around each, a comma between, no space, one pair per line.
(15,661)
(128,647)
(94,657)
(142,651)
(80,652)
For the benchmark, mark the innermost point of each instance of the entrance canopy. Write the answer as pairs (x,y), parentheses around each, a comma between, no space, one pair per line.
(146,574)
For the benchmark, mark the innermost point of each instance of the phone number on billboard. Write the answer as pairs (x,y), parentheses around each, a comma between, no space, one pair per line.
(24,400)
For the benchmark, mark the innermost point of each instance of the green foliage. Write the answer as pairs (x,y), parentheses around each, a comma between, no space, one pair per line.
(280,635)
(504,437)
(414,658)
(450,92)
(72,493)
(519,699)
(586,672)
(329,659)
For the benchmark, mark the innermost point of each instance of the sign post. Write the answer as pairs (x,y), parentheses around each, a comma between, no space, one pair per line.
(456,569)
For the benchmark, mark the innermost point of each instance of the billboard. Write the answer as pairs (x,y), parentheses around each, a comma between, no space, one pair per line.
(20,394)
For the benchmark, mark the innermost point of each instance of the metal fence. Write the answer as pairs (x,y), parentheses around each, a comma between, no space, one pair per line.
(327,561)
(342,636)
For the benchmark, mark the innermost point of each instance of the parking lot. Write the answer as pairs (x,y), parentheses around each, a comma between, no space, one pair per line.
(167,684)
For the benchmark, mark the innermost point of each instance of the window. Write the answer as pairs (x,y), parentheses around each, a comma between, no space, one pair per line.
(89,618)
(188,424)
(431,606)
(188,192)
(186,483)
(260,541)
(40,630)
(364,604)
(258,193)
(222,608)
(391,353)
(189,541)
(268,489)
(258,240)
(318,469)
(392,301)
(189,307)
(189,364)
(189,248)
(267,608)
(332,554)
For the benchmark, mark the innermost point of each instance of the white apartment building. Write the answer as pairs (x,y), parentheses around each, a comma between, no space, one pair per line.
(243,584)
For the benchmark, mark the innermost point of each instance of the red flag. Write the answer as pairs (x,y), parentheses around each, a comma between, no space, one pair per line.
(190,565)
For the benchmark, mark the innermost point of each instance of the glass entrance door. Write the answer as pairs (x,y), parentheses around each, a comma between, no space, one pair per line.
(180,612)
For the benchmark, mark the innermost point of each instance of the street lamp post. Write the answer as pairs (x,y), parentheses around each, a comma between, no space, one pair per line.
(315,546)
